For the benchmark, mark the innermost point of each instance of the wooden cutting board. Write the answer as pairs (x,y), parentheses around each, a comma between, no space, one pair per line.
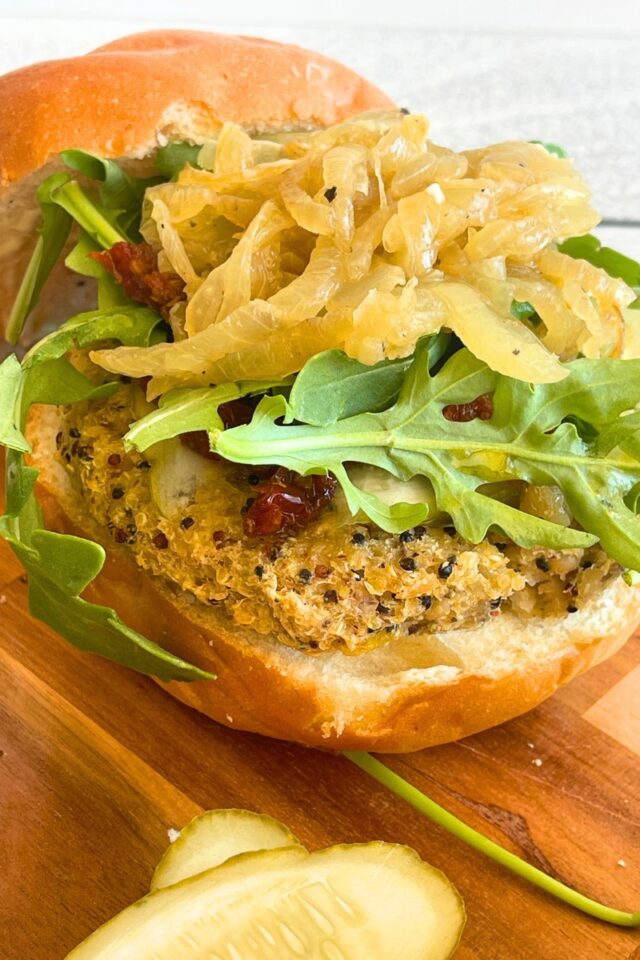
(96,763)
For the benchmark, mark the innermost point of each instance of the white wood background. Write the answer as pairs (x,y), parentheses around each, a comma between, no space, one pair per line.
(568,72)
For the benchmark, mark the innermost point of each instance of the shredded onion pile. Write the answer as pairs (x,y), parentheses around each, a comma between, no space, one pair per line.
(366,236)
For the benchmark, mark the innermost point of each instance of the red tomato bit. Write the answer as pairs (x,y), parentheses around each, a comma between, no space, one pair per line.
(479,409)
(135,267)
(287,500)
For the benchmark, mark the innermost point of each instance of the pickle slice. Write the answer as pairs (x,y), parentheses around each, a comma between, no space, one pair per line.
(215,836)
(376,901)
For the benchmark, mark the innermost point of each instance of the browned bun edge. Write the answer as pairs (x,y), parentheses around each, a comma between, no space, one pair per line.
(395,699)
(119,99)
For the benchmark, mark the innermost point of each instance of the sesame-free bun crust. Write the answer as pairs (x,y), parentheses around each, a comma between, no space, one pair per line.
(126,99)
(181,84)
(408,694)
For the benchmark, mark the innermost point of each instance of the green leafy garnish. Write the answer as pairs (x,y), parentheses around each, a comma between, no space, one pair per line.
(10,386)
(62,200)
(171,159)
(132,326)
(60,566)
(121,195)
(85,211)
(552,148)
(52,236)
(332,386)
(110,293)
(526,438)
(186,409)
(522,310)
(438,815)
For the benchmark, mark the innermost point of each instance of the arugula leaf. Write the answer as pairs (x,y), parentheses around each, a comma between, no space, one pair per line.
(186,409)
(522,310)
(132,326)
(332,386)
(60,566)
(171,159)
(614,263)
(525,439)
(110,293)
(552,148)
(52,236)
(395,518)
(10,386)
(121,195)
(78,204)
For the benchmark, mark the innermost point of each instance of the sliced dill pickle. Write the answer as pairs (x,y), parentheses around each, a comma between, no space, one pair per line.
(376,901)
(215,836)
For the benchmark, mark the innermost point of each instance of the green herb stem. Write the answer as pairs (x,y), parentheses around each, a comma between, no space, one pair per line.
(433,811)
(20,307)
(72,198)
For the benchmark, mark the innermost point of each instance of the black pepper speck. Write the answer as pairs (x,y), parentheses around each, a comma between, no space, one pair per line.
(446,569)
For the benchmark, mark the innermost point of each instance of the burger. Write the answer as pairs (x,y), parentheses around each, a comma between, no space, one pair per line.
(330,429)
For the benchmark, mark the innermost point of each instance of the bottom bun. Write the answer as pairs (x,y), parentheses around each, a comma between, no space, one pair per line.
(411,692)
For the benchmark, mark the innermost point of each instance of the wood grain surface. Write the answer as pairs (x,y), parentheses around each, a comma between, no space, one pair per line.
(97,763)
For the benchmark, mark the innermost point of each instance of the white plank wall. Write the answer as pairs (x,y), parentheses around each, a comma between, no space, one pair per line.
(580,91)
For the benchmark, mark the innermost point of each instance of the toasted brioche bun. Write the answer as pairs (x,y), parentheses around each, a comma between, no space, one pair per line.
(124,101)
(410,693)
(128,98)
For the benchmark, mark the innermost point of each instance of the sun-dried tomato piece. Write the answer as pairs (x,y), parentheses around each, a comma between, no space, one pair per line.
(233,414)
(287,500)
(479,409)
(198,441)
(135,267)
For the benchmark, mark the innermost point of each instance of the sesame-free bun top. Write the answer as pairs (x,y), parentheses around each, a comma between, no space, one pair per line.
(131,96)
(122,99)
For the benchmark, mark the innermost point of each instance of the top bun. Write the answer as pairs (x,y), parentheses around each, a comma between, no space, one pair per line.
(128,98)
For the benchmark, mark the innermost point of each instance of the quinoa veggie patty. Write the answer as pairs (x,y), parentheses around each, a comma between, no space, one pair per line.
(335,584)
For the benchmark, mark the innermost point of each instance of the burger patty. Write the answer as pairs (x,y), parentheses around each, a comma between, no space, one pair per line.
(337,583)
